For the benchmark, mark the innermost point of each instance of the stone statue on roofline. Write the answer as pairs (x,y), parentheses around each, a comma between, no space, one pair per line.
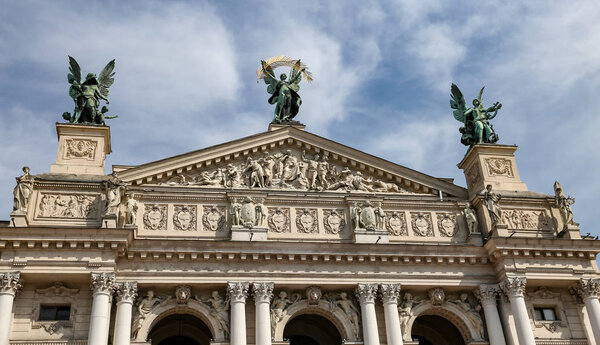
(564,203)
(284,91)
(87,94)
(476,127)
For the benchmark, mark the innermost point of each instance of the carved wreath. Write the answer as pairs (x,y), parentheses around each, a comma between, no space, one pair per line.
(421,225)
(396,224)
(184,217)
(155,217)
(334,221)
(447,224)
(213,218)
(306,220)
(279,220)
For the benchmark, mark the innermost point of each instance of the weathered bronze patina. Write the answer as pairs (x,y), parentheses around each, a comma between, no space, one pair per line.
(476,129)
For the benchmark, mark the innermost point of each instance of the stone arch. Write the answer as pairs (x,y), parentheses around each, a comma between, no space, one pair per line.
(335,315)
(467,328)
(171,307)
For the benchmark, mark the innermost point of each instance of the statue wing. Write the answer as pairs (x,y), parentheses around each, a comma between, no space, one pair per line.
(74,77)
(269,77)
(295,73)
(105,79)
(480,95)
(457,102)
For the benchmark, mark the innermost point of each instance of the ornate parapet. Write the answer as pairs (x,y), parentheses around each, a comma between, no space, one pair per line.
(366,293)
(10,283)
(263,292)
(103,283)
(238,291)
(514,286)
(126,291)
(390,293)
(82,149)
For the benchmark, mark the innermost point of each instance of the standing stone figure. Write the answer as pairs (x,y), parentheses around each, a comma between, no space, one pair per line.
(220,309)
(235,212)
(471,218)
(114,186)
(279,309)
(564,204)
(405,311)
(144,308)
(472,313)
(356,215)
(261,213)
(23,191)
(132,208)
(492,202)
(379,216)
(476,129)
(350,310)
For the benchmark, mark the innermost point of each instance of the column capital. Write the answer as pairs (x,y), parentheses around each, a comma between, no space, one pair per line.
(10,283)
(103,282)
(366,292)
(587,288)
(390,293)
(263,292)
(238,291)
(126,291)
(487,294)
(514,286)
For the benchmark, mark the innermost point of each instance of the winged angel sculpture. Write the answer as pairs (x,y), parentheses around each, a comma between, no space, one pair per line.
(87,94)
(476,127)
(284,91)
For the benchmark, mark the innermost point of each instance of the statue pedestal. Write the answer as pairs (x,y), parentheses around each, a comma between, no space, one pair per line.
(500,230)
(18,219)
(276,126)
(371,236)
(82,149)
(109,221)
(240,233)
(491,164)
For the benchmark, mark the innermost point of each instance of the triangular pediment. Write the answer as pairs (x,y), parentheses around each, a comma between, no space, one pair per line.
(287,158)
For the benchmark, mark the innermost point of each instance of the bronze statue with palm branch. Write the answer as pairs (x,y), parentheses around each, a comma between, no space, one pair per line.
(284,91)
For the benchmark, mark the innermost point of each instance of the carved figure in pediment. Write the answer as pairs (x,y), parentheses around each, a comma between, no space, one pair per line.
(235,212)
(217,178)
(471,218)
(379,216)
(144,308)
(268,163)
(132,208)
(114,187)
(492,202)
(179,180)
(311,170)
(255,174)
(386,187)
(261,213)
(233,176)
(23,191)
(293,172)
(322,169)
(350,309)
(564,204)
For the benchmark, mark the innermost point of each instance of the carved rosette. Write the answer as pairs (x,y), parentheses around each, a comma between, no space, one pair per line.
(390,293)
(588,288)
(155,217)
(10,283)
(213,218)
(396,224)
(366,293)
(126,291)
(514,287)
(487,294)
(262,292)
(447,224)
(437,296)
(306,220)
(334,221)
(103,283)
(80,149)
(279,220)
(421,224)
(499,167)
(238,292)
(184,217)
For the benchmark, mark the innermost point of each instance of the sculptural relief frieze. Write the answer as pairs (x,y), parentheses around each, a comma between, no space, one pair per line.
(306,220)
(184,217)
(421,224)
(349,305)
(219,308)
(520,219)
(279,220)
(447,224)
(499,167)
(334,221)
(144,306)
(155,217)
(75,206)
(396,224)
(213,218)
(80,149)
(286,169)
(279,307)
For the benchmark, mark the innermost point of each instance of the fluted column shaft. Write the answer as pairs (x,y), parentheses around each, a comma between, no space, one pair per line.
(126,294)
(514,288)
(589,290)
(487,295)
(10,285)
(389,295)
(263,293)
(102,285)
(238,292)
(366,294)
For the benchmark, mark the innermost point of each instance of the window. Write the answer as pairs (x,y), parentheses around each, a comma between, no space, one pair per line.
(55,312)
(545,314)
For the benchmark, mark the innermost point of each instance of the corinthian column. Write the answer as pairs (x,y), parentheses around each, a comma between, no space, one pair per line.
(126,294)
(487,295)
(390,294)
(102,285)
(263,293)
(238,292)
(10,285)
(514,288)
(588,290)
(366,294)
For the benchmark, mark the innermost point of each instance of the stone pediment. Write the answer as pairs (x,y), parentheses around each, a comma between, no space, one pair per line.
(287,159)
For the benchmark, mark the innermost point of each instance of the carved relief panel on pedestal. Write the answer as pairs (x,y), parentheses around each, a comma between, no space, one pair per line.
(80,149)
(76,206)
(499,167)
(520,219)
(155,217)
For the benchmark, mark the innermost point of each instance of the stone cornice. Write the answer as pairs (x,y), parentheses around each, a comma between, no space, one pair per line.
(549,248)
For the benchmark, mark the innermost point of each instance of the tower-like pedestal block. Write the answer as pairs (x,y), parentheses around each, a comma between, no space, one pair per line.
(82,149)
(240,233)
(371,236)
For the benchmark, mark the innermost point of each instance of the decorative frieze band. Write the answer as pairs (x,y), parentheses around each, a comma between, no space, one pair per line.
(103,282)
(10,282)
(238,292)
(126,291)
(263,292)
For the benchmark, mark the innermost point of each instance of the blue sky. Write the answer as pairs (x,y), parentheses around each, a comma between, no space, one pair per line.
(185,79)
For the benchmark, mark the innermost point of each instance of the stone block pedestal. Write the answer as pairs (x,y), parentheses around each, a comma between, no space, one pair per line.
(18,219)
(240,233)
(82,149)
(371,236)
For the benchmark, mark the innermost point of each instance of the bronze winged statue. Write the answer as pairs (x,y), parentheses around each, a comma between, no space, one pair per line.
(87,94)
(476,129)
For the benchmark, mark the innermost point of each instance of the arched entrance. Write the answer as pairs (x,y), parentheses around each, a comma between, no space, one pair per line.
(311,329)
(435,330)
(180,329)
